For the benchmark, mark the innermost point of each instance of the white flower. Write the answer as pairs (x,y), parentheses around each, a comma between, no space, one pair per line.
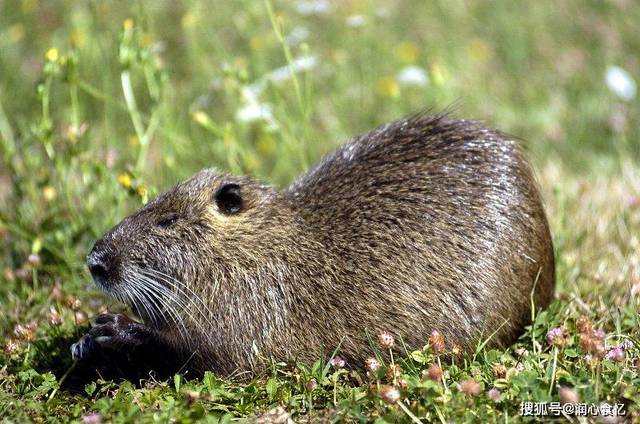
(300,64)
(413,75)
(313,7)
(356,21)
(253,110)
(381,12)
(297,36)
(620,82)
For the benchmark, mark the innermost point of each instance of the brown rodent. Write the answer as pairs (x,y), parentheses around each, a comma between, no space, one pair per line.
(422,224)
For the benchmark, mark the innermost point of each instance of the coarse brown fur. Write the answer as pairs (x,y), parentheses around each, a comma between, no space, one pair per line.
(422,224)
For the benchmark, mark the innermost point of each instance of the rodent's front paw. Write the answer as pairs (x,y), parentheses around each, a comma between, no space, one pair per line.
(117,346)
(111,331)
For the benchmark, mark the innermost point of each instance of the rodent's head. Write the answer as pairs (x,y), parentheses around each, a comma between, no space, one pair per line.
(178,247)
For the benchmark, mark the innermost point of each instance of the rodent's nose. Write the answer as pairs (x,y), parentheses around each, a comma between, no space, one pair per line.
(99,266)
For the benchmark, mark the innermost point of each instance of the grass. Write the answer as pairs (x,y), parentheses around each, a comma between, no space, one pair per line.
(104,104)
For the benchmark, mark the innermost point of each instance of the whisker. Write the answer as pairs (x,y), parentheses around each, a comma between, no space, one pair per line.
(160,295)
(181,298)
(193,295)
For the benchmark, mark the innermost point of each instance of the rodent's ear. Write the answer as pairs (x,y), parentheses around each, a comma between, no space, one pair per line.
(229,199)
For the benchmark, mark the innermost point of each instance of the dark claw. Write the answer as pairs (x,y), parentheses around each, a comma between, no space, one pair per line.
(83,348)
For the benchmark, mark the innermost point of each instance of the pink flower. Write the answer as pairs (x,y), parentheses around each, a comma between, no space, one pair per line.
(390,394)
(385,340)
(626,345)
(338,362)
(494,394)
(371,364)
(616,354)
(92,418)
(557,337)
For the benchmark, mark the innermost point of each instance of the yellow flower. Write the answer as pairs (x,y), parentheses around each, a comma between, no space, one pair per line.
(388,87)
(29,6)
(187,20)
(228,139)
(200,117)
(78,38)
(141,190)
(437,73)
(128,24)
(125,180)
(146,40)
(265,145)
(49,193)
(133,140)
(250,162)
(256,43)
(479,49)
(52,54)
(407,52)
(16,32)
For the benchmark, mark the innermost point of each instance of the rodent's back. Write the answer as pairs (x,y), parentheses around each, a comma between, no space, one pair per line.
(430,224)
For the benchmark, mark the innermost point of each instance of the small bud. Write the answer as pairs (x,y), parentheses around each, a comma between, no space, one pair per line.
(494,394)
(8,274)
(73,303)
(192,396)
(436,340)
(11,346)
(470,387)
(435,372)
(56,291)
(371,364)
(385,340)
(25,332)
(592,344)
(311,385)
(568,395)
(54,317)
(626,345)
(390,394)
(499,370)
(34,260)
(584,325)
(456,350)
(590,360)
(80,317)
(22,274)
(394,372)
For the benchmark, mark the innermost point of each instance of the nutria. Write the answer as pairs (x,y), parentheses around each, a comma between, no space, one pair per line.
(422,224)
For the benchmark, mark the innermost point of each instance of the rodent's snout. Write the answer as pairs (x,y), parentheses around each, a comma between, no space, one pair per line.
(100,263)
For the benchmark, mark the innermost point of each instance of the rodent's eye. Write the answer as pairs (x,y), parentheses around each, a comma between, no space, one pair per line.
(168,221)
(229,199)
